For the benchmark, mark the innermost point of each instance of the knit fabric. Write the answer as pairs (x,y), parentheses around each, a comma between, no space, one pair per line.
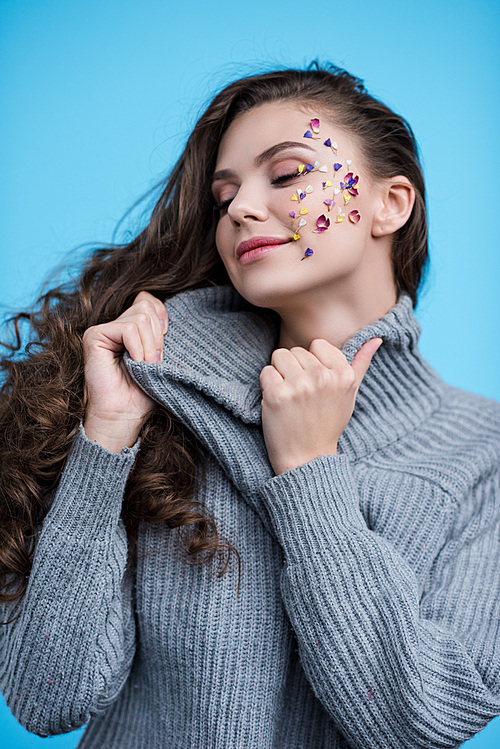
(369,608)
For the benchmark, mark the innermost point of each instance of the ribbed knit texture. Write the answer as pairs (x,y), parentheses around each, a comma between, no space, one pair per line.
(369,609)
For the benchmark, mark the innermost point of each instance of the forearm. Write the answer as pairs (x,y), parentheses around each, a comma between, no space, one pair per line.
(388,677)
(59,665)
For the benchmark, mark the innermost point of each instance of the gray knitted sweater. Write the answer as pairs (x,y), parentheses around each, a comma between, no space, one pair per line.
(369,608)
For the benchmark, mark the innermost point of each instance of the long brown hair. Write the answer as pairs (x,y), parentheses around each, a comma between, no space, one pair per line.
(42,400)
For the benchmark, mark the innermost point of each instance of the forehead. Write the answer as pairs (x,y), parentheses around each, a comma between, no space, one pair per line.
(258,129)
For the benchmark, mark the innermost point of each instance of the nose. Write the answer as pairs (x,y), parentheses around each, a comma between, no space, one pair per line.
(248,205)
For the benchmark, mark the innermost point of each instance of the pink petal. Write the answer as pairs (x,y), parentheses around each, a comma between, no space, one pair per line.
(315,125)
(322,223)
(354,217)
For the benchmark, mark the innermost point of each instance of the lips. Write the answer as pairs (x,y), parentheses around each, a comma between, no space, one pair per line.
(252,244)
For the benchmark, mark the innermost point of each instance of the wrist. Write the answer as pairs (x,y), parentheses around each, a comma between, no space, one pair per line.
(288,465)
(113,434)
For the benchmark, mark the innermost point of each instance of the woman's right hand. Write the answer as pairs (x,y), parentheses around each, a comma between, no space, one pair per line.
(116,406)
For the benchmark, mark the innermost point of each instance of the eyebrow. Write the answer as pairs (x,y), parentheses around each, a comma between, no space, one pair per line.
(266,155)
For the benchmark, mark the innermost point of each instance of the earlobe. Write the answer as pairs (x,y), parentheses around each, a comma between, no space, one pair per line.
(396,204)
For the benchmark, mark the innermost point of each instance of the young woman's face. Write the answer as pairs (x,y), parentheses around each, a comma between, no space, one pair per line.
(264,162)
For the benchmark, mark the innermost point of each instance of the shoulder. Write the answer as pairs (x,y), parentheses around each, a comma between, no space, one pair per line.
(457,447)
(472,420)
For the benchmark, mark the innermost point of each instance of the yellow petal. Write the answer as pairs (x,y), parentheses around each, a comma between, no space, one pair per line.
(294,197)
(303,211)
(296,236)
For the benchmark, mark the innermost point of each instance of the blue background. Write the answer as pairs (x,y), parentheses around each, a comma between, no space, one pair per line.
(97,99)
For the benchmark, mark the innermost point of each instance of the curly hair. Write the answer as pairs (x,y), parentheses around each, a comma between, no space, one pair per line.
(42,399)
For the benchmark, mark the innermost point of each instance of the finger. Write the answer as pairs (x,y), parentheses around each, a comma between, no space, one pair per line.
(269,377)
(363,358)
(146,314)
(286,363)
(144,324)
(132,341)
(306,359)
(156,306)
(151,336)
(328,354)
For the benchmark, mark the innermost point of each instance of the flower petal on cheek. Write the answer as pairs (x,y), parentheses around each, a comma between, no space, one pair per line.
(307,253)
(354,217)
(323,223)
(315,125)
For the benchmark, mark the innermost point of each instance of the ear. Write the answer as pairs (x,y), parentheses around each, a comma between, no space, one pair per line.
(396,203)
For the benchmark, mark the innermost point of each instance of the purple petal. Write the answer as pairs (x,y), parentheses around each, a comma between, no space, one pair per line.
(308,134)
(309,168)
(292,214)
(308,252)
(327,142)
(337,167)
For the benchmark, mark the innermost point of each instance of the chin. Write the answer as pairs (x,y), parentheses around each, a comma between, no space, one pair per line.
(269,292)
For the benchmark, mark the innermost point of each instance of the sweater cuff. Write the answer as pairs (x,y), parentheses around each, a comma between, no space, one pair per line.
(313,504)
(92,486)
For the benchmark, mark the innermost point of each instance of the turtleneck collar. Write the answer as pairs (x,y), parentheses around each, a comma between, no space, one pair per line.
(218,343)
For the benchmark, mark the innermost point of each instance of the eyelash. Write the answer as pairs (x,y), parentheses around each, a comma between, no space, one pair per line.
(275,181)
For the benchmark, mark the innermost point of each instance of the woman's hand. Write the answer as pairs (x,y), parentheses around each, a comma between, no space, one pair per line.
(307,400)
(116,406)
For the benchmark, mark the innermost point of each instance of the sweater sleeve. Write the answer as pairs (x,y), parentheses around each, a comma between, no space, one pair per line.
(68,654)
(390,669)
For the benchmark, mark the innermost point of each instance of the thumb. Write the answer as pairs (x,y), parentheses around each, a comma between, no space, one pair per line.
(363,358)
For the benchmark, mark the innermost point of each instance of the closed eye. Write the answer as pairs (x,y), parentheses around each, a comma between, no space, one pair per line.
(276,181)
(224,204)
(285,178)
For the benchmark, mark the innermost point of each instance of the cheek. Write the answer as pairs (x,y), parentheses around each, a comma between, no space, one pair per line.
(222,238)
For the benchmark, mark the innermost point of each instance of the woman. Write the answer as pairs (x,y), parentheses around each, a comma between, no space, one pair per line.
(353,495)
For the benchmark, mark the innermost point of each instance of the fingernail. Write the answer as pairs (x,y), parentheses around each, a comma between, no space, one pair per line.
(158,355)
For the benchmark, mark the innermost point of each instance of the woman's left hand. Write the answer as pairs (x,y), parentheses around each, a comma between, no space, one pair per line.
(307,400)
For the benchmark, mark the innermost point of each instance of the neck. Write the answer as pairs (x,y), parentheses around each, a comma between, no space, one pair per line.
(335,312)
